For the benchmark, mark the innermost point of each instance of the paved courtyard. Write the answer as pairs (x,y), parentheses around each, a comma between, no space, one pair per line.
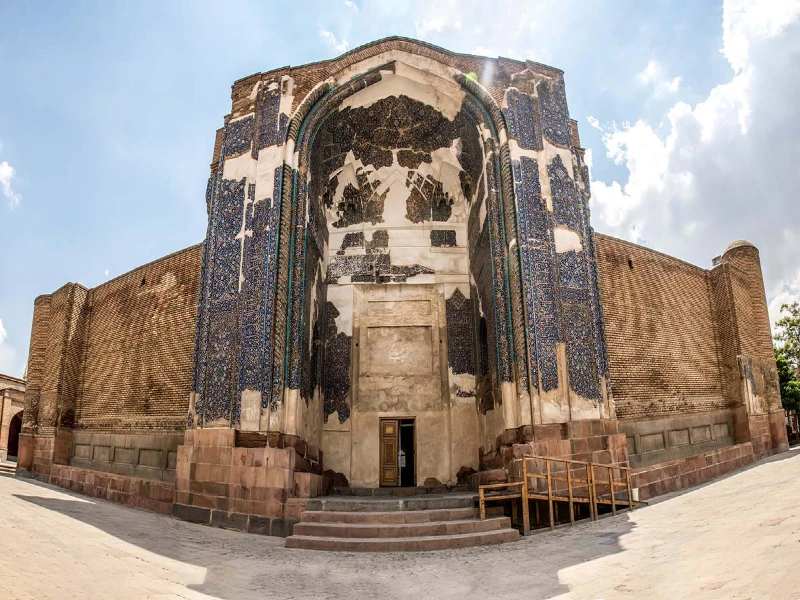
(737,537)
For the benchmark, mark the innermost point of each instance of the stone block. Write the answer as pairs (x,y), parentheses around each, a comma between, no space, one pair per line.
(282,527)
(193,514)
(229,520)
(259,525)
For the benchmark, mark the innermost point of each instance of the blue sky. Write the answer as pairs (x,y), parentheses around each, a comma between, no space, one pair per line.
(108,112)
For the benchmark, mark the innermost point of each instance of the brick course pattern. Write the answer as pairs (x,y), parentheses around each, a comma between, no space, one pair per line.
(663,347)
(118,356)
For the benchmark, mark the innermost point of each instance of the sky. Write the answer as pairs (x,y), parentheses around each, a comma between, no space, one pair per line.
(687,109)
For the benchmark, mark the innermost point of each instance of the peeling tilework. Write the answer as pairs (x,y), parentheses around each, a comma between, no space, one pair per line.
(443,238)
(351,240)
(391,123)
(536,247)
(427,201)
(257,295)
(555,116)
(218,308)
(268,120)
(585,176)
(336,381)
(580,352)
(522,120)
(566,200)
(480,265)
(371,268)
(578,283)
(359,206)
(598,319)
(201,328)
(297,297)
(380,239)
(461,355)
(238,136)
(312,340)
(502,329)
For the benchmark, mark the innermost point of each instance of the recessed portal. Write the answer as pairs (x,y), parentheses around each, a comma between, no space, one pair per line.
(14,429)
(397,453)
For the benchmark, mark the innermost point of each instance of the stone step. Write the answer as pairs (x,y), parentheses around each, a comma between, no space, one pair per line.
(400,491)
(397,517)
(404,530)
(380,504)
(8,468)
(435,542)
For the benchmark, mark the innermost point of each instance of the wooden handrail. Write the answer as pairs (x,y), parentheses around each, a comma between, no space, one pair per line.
(591,483)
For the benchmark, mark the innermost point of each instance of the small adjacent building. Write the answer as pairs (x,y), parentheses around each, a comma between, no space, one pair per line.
(12,400)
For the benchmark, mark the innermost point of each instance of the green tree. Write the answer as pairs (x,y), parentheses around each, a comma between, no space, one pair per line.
(790,386)
(788,333)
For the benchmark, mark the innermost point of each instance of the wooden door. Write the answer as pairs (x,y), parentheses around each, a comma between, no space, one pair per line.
(389,444)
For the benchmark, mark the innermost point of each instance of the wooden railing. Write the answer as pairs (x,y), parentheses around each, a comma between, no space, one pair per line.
(585,489)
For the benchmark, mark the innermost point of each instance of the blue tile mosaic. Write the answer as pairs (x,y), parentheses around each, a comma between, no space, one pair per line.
(336,381)
(566,199)
(522,120)
(580,352)
(556,124)
(443,238)
(460,353)
(238,137)
(270,132)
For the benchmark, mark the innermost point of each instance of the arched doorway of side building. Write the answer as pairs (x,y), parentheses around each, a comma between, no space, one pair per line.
(14,427)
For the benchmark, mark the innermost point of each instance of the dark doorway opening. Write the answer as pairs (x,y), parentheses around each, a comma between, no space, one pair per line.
(406,456)
(13,434)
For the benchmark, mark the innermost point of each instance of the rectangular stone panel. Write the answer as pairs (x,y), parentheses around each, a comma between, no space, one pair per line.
(415,308)
(701,434)
(83,451)
(125,455)
(102,453)
(652,442)
(679,437)
(149,458)
(721,430)
(399,350)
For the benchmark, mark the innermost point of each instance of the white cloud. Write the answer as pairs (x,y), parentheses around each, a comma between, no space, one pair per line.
(726,168)
(331,40)
(7,173)
(8,354)
(351,5)
(502,28)
(653,75)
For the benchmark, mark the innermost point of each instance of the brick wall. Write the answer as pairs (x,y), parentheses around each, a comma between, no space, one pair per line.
(663,347)
(139,345)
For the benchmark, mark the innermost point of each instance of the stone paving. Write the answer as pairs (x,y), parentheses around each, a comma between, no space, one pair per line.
(736,537)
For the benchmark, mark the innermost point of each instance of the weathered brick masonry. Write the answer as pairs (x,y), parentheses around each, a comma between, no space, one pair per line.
(111,372)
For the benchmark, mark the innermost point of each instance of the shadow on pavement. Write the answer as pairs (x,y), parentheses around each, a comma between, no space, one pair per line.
(240,565)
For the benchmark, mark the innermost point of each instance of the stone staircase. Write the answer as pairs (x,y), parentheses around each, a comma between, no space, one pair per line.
(8,468)
(387,524)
